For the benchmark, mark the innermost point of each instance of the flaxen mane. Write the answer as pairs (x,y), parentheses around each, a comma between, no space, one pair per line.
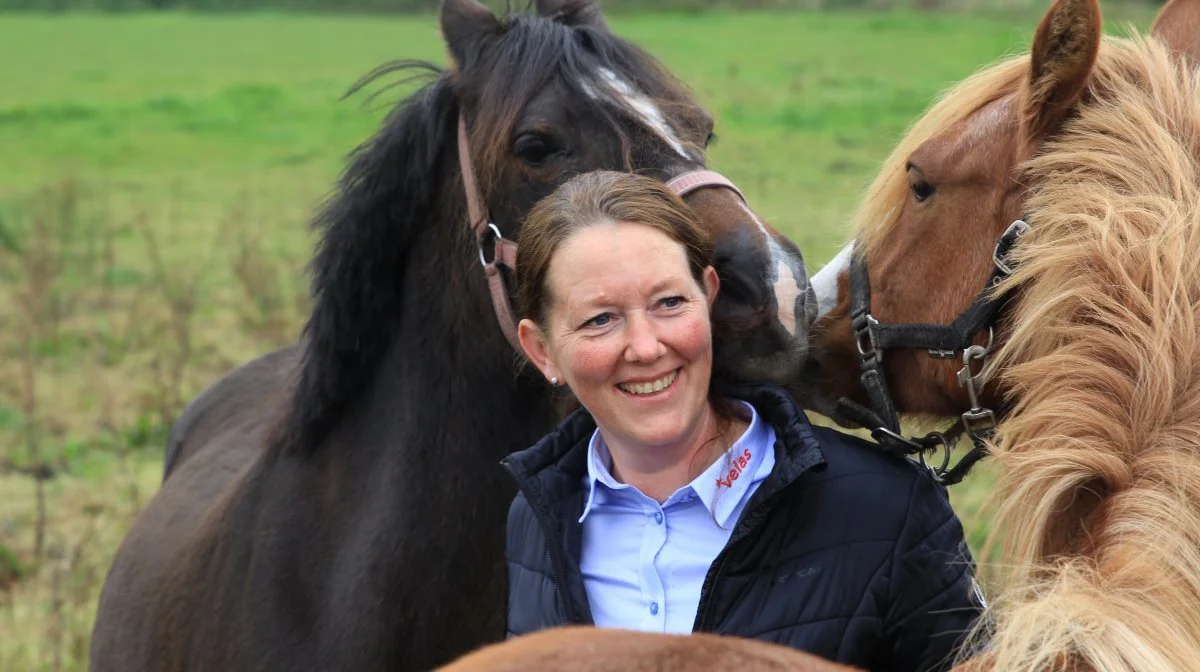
(1099,497)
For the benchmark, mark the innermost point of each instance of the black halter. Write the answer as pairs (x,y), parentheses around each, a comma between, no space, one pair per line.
(942,341)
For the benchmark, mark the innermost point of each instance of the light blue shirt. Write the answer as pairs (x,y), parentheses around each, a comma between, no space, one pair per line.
(644,564)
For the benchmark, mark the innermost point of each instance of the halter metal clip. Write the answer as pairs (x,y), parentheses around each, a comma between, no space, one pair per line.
(944,442)
(977,420)
(492,233)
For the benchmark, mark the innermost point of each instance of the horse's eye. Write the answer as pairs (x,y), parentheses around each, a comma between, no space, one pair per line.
(534,149)
(919,186)
(922,190)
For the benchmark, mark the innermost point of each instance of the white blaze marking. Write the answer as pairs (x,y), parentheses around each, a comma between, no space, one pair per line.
(785,269)
(782,278)
(825,282)
(641,106)
(786,293)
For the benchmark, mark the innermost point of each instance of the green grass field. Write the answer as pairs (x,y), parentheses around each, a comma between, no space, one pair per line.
(158,173)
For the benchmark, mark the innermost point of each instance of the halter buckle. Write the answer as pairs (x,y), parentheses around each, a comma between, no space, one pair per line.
(910,446)
(1004,245)
(978,422)
(864,336)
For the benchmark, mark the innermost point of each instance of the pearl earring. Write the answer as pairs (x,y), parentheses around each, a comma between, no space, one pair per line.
(554,382)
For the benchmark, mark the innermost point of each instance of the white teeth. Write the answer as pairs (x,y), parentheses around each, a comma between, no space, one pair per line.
(651,387)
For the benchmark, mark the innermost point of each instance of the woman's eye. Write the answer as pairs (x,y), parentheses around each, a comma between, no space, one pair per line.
(599,320)
(672,302)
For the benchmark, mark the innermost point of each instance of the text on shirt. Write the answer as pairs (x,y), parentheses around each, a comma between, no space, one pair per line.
(739,464)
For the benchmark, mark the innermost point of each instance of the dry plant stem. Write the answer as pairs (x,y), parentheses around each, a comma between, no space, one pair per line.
(181,295)
(43,263)
(33,443)
(55,625)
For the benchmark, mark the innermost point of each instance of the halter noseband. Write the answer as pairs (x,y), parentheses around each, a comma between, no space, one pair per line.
(504,251)
(941,341)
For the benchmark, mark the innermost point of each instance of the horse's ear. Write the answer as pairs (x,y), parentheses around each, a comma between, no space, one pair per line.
(1178,27)
(1061,60)
(465,23)
(573,12)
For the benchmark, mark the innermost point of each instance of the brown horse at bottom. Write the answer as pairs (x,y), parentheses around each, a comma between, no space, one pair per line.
(1095,368)
(601,650)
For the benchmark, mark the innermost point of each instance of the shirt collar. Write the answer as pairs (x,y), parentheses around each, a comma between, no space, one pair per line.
(720,487)
(727,481)
(598,472)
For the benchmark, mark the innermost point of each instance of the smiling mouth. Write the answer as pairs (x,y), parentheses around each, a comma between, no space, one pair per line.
(644,389)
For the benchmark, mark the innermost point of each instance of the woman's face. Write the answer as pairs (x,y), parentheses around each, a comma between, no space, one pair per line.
(628,330)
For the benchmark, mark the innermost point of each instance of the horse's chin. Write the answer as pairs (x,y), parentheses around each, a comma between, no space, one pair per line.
(812,390)
(780,366)
(760,349)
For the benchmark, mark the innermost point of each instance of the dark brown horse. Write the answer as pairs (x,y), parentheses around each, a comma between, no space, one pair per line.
(340,504)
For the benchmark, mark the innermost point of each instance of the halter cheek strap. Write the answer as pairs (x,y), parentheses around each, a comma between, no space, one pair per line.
(941,341)
(504,251)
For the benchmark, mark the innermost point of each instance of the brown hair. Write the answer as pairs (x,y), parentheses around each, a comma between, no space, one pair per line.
(595,198)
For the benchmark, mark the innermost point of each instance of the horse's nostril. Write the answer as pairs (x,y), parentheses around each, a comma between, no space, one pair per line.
(742,288)
(742,268)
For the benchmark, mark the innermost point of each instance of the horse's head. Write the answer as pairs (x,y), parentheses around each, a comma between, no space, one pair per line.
(548,95)
(929,227)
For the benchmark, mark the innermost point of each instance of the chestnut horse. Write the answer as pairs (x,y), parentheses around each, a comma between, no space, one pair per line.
(600,650)
(1086,154)
(339,505)
(1039,228)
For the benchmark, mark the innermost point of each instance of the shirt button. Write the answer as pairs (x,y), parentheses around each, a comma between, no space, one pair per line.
(658,517)
(654,608)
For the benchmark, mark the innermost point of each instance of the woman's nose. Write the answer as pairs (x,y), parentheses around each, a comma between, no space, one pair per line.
(643,339)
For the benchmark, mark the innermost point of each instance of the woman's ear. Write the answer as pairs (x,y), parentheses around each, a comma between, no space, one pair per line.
(536,348)
(712,284)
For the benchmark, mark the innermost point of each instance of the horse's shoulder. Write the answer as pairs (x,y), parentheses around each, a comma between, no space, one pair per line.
(238,394)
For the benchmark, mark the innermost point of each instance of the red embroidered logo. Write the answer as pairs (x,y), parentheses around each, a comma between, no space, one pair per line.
(739,463)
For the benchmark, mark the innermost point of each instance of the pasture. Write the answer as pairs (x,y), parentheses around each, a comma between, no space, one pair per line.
(158,172)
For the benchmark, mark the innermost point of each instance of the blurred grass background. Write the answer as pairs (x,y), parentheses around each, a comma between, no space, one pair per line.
(158,170)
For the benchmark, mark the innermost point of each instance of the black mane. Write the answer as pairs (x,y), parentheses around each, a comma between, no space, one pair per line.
(385,197)
(391,188)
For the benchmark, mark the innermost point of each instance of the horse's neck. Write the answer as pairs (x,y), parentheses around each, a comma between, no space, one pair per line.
(450,383)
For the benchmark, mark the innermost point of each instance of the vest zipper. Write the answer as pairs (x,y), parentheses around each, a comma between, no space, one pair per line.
(558,585)
(704,616)
(703,611)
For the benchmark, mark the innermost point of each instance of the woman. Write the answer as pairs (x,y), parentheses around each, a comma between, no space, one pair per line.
(668,504)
